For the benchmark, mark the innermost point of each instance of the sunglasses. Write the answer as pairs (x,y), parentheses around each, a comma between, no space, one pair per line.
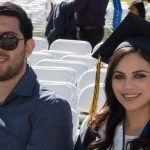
(8,41)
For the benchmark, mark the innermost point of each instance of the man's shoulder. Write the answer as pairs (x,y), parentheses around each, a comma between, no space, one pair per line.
(49,98)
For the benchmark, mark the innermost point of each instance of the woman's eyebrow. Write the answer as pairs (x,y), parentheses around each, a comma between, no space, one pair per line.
(118,72)
(138,71)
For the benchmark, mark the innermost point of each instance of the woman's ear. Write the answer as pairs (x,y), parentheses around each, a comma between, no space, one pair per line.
(30,44)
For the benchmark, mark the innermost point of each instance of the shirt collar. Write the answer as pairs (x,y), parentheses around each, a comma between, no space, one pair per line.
(26,84)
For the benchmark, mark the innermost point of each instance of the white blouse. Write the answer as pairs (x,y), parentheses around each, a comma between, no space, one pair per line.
(118,138)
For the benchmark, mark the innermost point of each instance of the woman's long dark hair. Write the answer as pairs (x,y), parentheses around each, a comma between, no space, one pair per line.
(112,113)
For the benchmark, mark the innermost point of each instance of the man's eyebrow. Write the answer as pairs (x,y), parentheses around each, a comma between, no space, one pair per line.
(9,32)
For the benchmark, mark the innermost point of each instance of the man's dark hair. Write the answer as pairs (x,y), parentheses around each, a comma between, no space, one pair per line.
(11,9)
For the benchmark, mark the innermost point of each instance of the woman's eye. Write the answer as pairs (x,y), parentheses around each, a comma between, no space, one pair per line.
(118,77)
(140,76)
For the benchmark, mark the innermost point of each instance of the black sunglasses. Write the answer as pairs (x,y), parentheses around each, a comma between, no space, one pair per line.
(8,41)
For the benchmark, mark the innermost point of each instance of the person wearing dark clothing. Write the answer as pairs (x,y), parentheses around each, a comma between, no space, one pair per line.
(31,116)
(61,23)
(90,20)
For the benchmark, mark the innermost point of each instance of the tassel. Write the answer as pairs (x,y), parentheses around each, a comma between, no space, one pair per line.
(93,107)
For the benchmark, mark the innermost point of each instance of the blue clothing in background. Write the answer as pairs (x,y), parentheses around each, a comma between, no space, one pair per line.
(34,118)
(117,13)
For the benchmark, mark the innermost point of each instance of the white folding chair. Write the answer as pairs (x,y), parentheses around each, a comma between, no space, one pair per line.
(77,46)
(91,62)
(57,54)
(75,121)
(79,67)
(40,43)
(65,90)
(85,99)
(37,56)
(88,77)
(65,74)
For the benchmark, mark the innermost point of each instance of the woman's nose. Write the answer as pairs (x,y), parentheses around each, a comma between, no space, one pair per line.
(128,84)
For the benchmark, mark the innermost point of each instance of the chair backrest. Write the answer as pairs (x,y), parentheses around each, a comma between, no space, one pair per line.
(65,90)
(75,121)
(65,74)
(91,62)
(88,77)
(58,54)
(40,43)
(79,67)
(85,98)
(37,56)
(77,46)
(96,47)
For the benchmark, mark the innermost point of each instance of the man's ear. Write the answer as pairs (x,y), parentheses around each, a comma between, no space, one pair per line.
(30,44)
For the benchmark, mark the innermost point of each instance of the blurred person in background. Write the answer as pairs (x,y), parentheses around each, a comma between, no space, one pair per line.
(138,8)
(90,20)
(77,19)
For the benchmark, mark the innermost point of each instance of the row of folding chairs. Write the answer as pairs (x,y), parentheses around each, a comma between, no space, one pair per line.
(57,54)
(67,74)
(79,67)
(59,79)
(76,46)
(66,70)
(48,54)
(65,90)
(52,73)
(88,77)
(70,73)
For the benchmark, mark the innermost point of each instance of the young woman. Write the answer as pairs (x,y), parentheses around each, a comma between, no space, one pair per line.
(127,109)
(124,121)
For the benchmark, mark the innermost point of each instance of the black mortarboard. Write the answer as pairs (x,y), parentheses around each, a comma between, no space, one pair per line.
(132,31)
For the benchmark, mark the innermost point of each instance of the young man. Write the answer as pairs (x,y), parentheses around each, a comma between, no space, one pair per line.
(31,117)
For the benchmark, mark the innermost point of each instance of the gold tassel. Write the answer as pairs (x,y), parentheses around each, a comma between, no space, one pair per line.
(93,107)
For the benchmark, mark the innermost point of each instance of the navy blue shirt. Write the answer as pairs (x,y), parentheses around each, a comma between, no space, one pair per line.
(34,118)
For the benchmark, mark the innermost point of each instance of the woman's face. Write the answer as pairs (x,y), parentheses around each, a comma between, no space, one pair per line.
(131,82)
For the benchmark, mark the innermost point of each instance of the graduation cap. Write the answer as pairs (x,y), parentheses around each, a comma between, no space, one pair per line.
(132,31)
